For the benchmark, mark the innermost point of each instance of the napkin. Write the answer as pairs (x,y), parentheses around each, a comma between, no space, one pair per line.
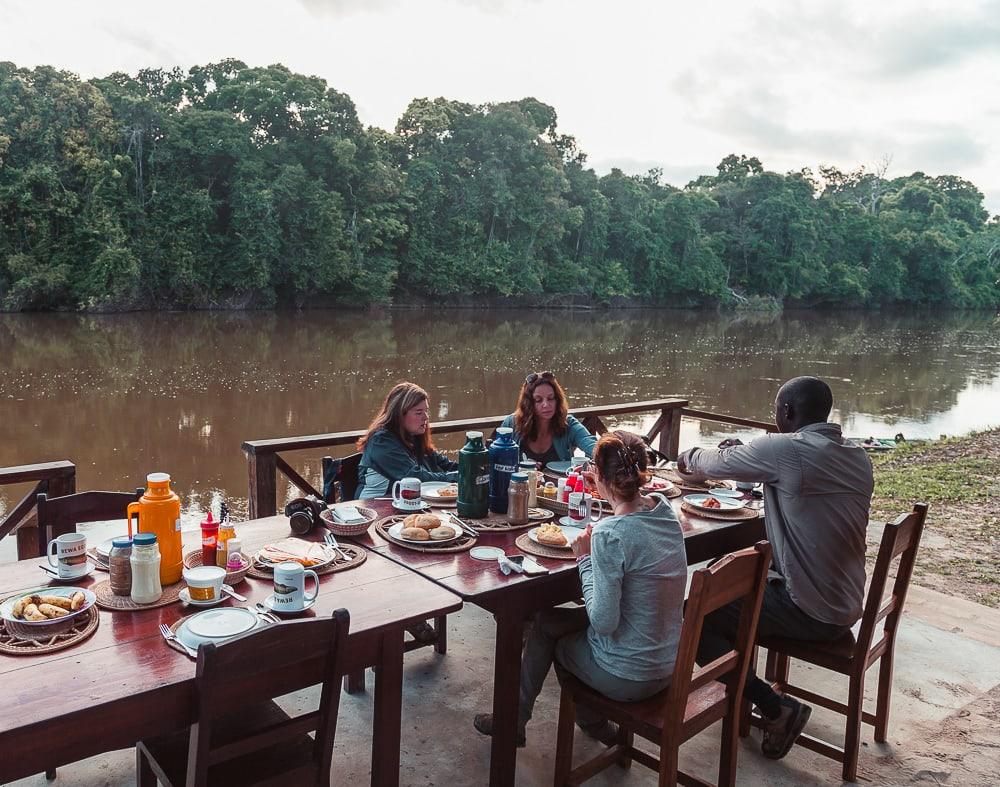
(506,566)
(348,515)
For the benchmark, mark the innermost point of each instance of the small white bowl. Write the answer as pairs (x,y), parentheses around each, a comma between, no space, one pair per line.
(204,583)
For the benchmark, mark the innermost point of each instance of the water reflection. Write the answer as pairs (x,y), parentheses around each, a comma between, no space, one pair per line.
(121,395)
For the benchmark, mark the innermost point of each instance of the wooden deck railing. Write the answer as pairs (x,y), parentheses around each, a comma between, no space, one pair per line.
(54,479)
(264,458)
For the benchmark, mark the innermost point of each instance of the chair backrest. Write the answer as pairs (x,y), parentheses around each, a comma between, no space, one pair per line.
(900,539)
(258,666)
(58,515)
(340,478)
(739,576)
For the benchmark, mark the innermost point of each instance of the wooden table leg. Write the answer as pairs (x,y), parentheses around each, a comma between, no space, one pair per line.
(388,710)
(506,689)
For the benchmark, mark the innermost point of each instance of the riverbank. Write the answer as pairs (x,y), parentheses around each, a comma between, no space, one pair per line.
(960,478)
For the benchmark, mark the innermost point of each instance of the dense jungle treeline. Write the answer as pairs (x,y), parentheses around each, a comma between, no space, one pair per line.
(236,186)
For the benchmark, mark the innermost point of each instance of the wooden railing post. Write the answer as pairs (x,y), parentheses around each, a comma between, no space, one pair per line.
(670,433)
(262,470)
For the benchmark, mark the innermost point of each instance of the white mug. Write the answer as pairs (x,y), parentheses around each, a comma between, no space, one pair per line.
(290,587)
(70,551)
(583,509)
(406,494)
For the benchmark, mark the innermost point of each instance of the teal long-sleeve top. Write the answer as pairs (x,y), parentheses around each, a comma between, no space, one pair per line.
(386,459)
(576,436)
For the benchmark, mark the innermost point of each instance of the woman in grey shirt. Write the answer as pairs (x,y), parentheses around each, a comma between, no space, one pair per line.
(633,569)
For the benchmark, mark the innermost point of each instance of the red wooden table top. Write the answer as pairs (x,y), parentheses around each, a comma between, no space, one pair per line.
(126,656)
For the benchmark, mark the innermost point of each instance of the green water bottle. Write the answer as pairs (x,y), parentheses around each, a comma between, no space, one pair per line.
(473,477)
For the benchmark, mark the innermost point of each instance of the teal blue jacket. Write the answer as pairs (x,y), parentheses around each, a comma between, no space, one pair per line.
(576,436)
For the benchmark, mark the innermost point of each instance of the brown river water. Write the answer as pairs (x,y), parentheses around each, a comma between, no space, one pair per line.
(124,395)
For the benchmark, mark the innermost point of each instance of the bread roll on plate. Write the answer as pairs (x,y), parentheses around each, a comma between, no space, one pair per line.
(415,534)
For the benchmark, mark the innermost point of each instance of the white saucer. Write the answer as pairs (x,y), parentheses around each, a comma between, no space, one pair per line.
(185,597)
(485,553)
(269,603)
(54,578)
(422,508)
(568,521)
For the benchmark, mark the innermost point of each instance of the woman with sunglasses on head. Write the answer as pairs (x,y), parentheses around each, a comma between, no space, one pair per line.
(542,425)
(633,570)
(398,445)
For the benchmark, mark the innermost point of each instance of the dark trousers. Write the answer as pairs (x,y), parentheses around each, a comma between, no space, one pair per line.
(779,617)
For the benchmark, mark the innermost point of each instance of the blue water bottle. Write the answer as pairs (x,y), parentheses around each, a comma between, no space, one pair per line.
(504,454)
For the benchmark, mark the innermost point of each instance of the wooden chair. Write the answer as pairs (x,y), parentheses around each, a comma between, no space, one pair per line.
(340,482)
(853,657)
(241,736)
(692,702)
(58,515)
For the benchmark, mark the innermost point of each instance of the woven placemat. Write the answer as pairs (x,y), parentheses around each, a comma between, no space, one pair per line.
(356,556)
(497,523)
(525,544)
(194,558)
(562,508)
(84,627)
(739,515)
(461,545)
(178,623)
(108,600)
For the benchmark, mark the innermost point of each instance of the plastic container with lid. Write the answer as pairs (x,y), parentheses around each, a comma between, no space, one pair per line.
(234,552)
(209,538)
(530,469)
(120,566)
(517,499)
(226,532)
(145,564)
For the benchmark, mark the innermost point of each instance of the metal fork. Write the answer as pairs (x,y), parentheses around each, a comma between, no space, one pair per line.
(331,541)
(169,636)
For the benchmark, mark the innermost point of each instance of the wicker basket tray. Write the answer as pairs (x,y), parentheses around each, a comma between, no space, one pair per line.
(358,529)
(193,559)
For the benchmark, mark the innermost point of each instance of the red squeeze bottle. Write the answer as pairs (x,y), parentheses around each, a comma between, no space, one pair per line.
(570,487)
(581,485)
(209,538)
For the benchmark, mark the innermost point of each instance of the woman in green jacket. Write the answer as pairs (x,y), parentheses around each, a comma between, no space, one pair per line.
(398,445)
(542,424)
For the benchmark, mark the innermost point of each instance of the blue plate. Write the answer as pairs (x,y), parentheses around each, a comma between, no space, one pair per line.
(560,468)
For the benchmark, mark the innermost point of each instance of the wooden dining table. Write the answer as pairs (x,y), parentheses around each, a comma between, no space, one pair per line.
(515,598)
(124,683)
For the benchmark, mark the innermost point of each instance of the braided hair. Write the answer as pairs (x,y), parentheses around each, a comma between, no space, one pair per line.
(621,461)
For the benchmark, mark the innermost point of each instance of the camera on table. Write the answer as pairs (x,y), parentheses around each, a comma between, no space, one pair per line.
(304,513)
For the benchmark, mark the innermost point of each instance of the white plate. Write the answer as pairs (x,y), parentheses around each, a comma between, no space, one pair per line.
(192,640)
(725,503)
(269,603)
(572,533)
(485,553)
(185,597)
(444,519)
(104,548)
(730,493)
(7,608)
(431,489)
(219,624)
(420,509)
(329,559)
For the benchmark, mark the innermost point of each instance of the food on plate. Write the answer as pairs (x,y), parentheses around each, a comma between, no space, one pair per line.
(37,608)
(711,503)
(716,484)
(442,533)
(538,513)
(296,550)
(424,521)
(415,534)
(448,491)
(552,535)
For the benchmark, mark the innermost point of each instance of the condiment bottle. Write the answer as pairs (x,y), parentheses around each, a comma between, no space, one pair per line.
(529,469)
(561,492)
(226,532)
(159,512)
(504,456)
(209,539)
(473,478)
(145,564)
(549,490)
(517,499)
(120,567)
(234,552)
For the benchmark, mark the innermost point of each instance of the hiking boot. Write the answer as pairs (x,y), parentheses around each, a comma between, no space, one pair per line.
(780,733)
(609,734)
(484,723)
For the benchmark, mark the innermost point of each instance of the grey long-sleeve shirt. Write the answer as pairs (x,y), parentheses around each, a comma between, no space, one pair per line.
(633,586)
(817,497)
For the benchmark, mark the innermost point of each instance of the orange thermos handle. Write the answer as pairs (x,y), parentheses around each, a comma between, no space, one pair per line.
(133,510)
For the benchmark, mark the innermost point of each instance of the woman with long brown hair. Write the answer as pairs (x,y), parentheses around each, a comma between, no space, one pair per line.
(633,570)
(398,444)
(542,424)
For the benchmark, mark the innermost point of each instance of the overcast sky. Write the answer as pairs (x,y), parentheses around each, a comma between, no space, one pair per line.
(640,84)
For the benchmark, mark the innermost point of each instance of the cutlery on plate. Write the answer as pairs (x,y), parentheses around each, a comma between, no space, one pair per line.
(331,541)
(48,570)
(169,636)
(469,529)
(232,593)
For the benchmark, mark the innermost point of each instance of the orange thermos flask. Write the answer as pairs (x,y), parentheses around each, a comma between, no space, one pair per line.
(159,511)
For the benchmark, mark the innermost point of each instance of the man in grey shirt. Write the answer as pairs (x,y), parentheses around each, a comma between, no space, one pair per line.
(817,493)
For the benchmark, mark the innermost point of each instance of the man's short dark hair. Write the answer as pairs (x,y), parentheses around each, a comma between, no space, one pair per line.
(810,398)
